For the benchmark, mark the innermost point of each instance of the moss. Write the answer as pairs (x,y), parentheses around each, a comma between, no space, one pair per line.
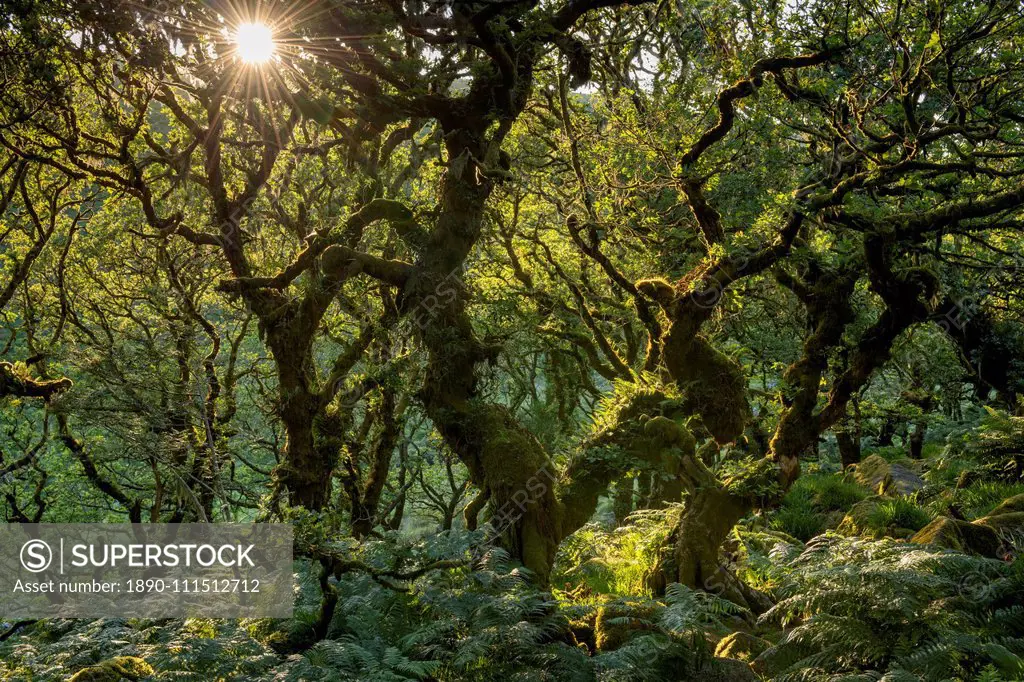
(635,432)
(663,430)
(1008,525)
(617,622)
(707,520)
(742,646)
(657,289)
(516,470)
(15,379)
(924,277)
(114,670)
(872,471)
(981,539)
(583,630)
(959,535)
(714,384)
(1010,505)
(886,477)
(856,521)
(942,532)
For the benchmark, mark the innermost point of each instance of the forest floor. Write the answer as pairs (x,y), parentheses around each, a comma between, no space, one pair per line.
(898,569)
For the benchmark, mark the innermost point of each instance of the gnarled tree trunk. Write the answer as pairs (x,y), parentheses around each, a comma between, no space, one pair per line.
(308,466)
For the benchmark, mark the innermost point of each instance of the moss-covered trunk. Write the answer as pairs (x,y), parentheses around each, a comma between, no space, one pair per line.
(502,457)
(366,502)
(306,470)
(917,439)
(849,447)
(622,505)
(708,518)
(715,387)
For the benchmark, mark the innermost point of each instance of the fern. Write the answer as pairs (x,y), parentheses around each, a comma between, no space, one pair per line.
(883,606)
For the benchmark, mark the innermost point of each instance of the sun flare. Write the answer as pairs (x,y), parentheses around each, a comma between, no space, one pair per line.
(254,42)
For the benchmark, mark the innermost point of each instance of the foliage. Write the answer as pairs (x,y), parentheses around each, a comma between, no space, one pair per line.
(979,498)
(826,492)
(802,513)
(487,624)
(799,520)
(899,512)
(601,561)
(893,608)
(670,636)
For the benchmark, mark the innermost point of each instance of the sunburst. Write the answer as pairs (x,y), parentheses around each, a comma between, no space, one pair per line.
(254,42)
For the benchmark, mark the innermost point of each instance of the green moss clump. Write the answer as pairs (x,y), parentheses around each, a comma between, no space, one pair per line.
(720,392)
(873,472)
(856,521)
(662,429)
(114,670)
(960,535)
(658,289)
(1007,525)
(742,646)
(583,630)
(886,477)
(617,622)
(714,384)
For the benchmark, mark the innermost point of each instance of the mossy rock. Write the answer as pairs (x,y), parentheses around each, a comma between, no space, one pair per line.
(834,519)
(617,622)
(966,478)
(741,645)
(888,478)
(870,470)
(918,466)
(942,532)
(856,520)
(726,670)
(1011,505)
(982,539)
(583,630)
(1009,526)
(115,670)
(959,535)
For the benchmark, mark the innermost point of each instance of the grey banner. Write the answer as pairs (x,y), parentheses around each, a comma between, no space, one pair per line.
(172,570)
